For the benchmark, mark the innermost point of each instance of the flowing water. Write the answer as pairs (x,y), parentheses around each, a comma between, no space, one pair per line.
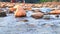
(12,25)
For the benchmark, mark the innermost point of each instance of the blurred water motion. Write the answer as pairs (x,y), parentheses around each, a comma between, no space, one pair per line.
(12,25)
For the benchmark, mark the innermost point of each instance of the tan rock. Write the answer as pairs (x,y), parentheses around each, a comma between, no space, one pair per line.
(20,12)
(37,15)
(2,6)
(55,12)
(37,10)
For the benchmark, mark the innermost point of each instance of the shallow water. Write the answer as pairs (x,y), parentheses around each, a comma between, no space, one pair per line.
(12,25)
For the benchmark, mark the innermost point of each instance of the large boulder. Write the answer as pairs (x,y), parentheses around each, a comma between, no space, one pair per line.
(20,12)
(37,15)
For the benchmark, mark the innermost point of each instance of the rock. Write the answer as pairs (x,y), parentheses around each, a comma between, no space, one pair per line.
(2,6)
(10,5)
(47,17)
(20,12)
(37,15)
(3,14)
(27,8)
(55,12)
(15,6)
(24,20)
(57,16)
(36,10)
(31,25)
(11,10)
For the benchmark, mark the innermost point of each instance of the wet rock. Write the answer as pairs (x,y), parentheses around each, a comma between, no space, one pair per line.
(31,25)
(36,10)
(24,20)
(37,15)
(20,12)
(55,12)
(11,10)
(57,16)
(3,14)
(47,17)
(47,25)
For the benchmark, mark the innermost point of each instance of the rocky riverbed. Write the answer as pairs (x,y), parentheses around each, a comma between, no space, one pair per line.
(48,24)
(29,25)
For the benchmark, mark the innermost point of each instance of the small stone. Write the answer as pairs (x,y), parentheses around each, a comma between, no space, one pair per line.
(24,20)
(57,16)
(31,25)
(47,17)
(3,14)
(11,10)
(36,10)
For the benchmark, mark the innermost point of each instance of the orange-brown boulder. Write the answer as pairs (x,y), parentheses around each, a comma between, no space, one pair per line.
(55,12)
(20,12)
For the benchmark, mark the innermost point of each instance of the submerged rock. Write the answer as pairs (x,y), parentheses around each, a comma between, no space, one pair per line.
(47,17)
(20,12)
(3,14)
(45,9)
(27,8)
(24,20)
(36,10)
(37,15)
(57,16)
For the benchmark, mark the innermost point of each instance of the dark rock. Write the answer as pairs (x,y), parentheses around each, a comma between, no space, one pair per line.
(10,11)
(57,16)
(3,14)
